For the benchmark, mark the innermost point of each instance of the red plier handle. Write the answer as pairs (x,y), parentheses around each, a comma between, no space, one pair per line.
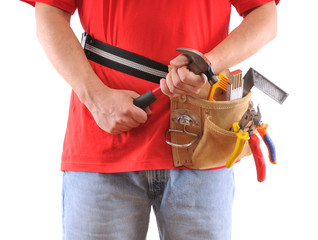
(262,130)
(254,144)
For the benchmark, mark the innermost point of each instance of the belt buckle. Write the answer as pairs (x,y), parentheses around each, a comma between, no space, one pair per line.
(83,40)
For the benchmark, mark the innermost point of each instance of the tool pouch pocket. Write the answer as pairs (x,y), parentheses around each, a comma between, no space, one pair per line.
(200,130)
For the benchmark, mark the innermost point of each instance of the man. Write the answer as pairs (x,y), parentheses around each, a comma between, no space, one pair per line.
(115,160)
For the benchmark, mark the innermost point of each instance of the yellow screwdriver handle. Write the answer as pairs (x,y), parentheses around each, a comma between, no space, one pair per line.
(242,137)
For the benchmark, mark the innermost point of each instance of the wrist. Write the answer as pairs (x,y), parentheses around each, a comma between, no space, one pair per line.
(89,91)
(215,63)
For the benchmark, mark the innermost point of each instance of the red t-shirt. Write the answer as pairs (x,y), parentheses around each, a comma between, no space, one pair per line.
(153,29)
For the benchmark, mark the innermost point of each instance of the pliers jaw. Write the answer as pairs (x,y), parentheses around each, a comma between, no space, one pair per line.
(247,121)
(257,117)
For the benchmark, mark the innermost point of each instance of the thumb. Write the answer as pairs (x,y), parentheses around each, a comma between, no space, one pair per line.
(133,94)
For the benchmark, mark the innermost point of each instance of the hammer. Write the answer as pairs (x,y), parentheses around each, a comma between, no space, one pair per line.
(198,64)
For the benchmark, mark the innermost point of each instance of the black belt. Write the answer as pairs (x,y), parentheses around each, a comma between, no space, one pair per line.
(122,60)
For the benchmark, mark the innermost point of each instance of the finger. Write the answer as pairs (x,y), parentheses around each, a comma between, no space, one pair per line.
(133,94)
(148,111)
(190,78)
(119,131)
(169,81)
(182,86)
(180,61)
(123,128)
(129,115)
(125,120)
(164,87)
(165,90)
(138,115)
(177,87)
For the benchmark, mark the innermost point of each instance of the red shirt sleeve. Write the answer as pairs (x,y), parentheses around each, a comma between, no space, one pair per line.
(66,5)
(245,5)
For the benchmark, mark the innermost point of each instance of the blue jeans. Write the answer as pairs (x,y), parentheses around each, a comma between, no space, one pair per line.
(188,204)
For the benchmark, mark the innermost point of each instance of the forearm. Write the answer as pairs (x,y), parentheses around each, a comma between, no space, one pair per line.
(258,28)
(112,110)
(64,50)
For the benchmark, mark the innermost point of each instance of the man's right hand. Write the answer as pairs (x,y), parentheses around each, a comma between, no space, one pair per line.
(114,111)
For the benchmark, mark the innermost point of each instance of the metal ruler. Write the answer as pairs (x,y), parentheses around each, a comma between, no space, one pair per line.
(254,78)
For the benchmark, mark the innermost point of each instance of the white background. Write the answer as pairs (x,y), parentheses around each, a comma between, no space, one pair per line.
(33,113)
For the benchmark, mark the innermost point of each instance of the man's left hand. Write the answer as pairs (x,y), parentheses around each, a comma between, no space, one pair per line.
(180,80)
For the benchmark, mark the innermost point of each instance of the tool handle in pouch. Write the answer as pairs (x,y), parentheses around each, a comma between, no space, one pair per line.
(212,91)
(254,143)
(242,137)
(262,130)
(220,84)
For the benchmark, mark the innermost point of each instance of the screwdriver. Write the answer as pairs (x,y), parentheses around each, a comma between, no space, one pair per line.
(147,98)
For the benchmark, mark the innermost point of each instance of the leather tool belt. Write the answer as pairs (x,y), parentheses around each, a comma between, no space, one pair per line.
(200,130)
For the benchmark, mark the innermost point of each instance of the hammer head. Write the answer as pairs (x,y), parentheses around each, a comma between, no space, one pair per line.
(199,64)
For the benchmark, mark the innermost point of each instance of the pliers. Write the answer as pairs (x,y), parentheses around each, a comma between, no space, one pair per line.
(242,137)
(248,122)
(254,144)
(262,130)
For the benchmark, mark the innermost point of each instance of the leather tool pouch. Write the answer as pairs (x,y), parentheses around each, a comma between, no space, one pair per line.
(200,130)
